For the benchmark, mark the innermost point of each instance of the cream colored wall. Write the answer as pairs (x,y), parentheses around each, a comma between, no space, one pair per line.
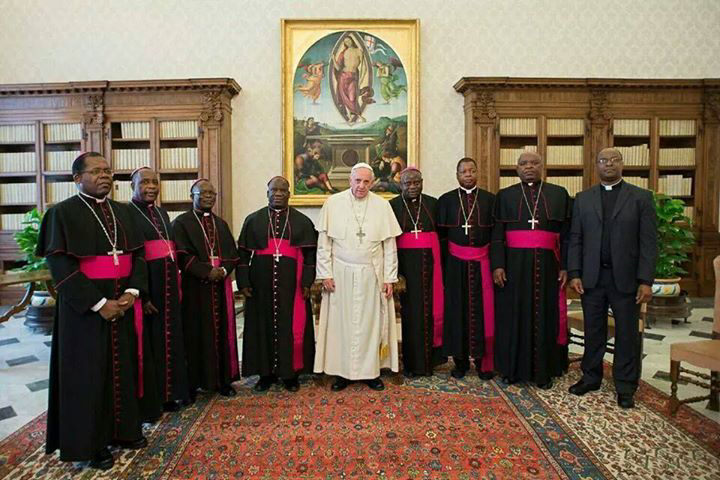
(66,40)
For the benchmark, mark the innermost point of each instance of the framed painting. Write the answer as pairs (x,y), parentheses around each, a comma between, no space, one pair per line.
(350,95)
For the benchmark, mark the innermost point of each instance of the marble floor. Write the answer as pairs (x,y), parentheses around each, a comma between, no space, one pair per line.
(24,359)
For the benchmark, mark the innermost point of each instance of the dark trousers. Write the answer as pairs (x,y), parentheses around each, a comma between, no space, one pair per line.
(627,358)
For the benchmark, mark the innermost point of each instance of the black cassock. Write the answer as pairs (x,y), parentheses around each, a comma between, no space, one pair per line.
(164,329)
(416,265)
(93,362)
(207,311)
(464,329)
(270,344)
(527,308)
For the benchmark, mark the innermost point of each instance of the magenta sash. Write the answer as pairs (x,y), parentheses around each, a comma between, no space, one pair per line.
(155,249)
(548,241)
(231,330)
(430,240)
(299,319)
(103,267)
(482,255)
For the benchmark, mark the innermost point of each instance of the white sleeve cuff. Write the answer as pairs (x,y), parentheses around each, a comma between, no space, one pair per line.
(99,305)
(133,291)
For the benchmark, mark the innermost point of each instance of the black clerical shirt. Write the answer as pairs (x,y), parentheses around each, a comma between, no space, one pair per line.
(609,199)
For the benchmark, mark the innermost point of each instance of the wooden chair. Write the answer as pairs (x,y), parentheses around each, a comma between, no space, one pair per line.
(703,354)
(29,278)
(576,321)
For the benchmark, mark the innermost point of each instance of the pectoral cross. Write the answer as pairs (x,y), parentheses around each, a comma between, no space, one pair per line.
(213,259)
(277,256)
(533,222)
(115,252)
(416,231)
(467,228)
(360,234)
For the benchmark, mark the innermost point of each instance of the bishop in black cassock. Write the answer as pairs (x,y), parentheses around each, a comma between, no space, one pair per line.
(207,257)
(277,247)
(419,262)
(464,224)
(96,260)
(528,256)
(163,320)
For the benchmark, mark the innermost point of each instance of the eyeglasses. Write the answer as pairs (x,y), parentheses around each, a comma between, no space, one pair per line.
(606,161)
(95,172)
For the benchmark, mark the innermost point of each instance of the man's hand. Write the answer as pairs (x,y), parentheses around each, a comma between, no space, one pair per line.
(246,292)
(111,310)
(499,277)
(126,301)
(388,290)
(576,284)
(329,285)
(644,294)
(306,293)
(216,274)
(149,308)
(562,278)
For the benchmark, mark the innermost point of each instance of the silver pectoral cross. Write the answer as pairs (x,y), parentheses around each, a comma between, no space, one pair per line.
(533,223)
(467,228)
(360,234)
(416,231)
(277,256)
(115,252)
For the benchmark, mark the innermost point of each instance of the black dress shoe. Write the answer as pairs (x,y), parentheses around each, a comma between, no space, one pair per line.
(581,388)
(457,373)
(265,383)
(545,386)
(103,460)
(486,375)
(132,444)
(171,407)
(291,384)
(625,401)
(227,391)
(375,384)
(339,384)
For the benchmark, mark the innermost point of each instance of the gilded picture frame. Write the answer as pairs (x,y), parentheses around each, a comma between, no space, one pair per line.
(350,91)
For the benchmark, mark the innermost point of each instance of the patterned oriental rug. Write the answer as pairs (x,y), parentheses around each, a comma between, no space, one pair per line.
(434,427)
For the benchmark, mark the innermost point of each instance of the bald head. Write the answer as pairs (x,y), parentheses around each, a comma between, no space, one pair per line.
(529,167)
(204,195)
(278,193)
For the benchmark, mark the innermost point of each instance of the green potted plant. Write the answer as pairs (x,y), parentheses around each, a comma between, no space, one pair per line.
(675,242)
(41,311)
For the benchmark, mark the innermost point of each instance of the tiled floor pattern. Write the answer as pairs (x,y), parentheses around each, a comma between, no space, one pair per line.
(24,359)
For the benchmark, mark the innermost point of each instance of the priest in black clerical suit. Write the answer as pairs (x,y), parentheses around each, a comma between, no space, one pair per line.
(208,255)
(277,248)
(163,321)
(95,257)
(611,262)
(528,257)
(464,224)
(420,263)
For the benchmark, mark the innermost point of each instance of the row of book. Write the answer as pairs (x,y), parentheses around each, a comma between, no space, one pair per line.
(675,185)
(565,155)
(676,128)
(635,155)
(12,221)
(176,158)
(173,214)
(60,161)
(564,127)
(135,130)
(176,190)
(518,126)
(641,182)
(122,190)
(17,193)
(17,162)
(632,127)
(59,191)
(17,133)
(178,129)
(63,132)
(130,159)
(573,185)
(689,212)
(509,156)
(676,157)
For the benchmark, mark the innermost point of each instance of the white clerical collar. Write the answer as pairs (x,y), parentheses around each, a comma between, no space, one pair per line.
(204,214)
(468,190)
(610,187)
(278,210)
(97,200)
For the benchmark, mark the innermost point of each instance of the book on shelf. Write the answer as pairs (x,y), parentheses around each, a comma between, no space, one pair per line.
(178,158)
(178,129)
(11,162)
(632,127)
(676,157)
(641,182)
(635,155)
(689,211)
(59,191)
(60,161)
(509,156)
(12,221)
(565,127)
(17,193)
(135,130)
(573,184)
(676,128)
(675,185)
(565,155)
(508,181)
(17,133)
(176,190)
(130,158)
(173,214)
(122,190)
(518,126)
(63,132)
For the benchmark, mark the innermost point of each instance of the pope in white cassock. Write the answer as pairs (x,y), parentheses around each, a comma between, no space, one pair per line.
(357,263)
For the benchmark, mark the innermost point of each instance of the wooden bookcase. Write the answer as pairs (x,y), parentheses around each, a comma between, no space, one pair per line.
(667,130)
(181,128)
